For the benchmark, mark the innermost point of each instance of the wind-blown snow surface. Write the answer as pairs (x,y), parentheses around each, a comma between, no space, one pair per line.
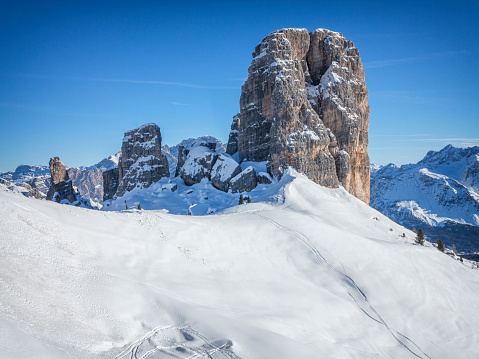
(311,272)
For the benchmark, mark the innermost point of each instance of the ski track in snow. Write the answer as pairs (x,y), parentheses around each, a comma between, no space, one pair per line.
(152,345)
(352,289)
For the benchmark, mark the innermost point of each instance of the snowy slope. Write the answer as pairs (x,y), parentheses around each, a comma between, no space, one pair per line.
(311,272)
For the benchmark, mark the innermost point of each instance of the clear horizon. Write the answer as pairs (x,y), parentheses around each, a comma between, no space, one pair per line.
(75,77)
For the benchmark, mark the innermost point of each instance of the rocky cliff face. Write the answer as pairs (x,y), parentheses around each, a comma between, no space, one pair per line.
(141,162)
(304,105)
(110,183)
(88,183)
(61,187)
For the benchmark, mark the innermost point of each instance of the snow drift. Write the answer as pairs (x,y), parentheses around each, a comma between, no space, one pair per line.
(307,272)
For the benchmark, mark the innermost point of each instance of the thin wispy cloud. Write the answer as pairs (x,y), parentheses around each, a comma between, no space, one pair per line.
(55,111)
(408,60)
(132,81)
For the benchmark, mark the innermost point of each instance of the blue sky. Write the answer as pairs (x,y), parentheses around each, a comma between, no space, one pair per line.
(74,76)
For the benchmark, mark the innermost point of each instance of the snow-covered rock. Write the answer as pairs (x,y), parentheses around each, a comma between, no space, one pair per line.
(107,163)
(172,153)
(245,181)
(224,169)
(142,162)
(198,164)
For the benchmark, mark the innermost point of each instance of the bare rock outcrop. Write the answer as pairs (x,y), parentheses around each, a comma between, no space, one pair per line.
(339,95)
(110,183)
(87,182)
(61,187)
(304,104)
(245,181)
(141,162)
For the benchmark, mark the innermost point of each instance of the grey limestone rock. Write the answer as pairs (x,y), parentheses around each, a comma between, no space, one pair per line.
(61,187)
(141,162)
(224,169)
(5,182)
(88,183)
(110,183)
(35,193)
(198,164)
(300,84)
(264,178)
(201,161)
(246,181)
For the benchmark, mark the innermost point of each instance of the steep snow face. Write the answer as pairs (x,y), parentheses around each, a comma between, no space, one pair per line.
(307,272)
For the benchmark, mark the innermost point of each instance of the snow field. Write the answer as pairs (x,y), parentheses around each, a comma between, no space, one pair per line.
(305,272)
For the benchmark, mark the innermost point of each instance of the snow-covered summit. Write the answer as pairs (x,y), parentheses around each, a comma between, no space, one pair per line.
(107,163)
(25,173)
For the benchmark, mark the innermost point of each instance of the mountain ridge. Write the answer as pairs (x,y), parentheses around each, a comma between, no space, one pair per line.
(438,194)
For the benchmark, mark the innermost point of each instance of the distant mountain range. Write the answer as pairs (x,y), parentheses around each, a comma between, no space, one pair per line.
(439,194)
(88,180)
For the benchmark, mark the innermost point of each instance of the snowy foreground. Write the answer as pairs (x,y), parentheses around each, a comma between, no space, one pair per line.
(309,272)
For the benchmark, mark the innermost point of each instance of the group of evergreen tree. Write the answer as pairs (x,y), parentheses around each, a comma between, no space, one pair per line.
(243,199)
(440,245)
(420,240)
(139,206)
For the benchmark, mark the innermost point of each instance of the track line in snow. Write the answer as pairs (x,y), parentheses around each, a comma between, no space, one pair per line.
(351,288)
(191,348)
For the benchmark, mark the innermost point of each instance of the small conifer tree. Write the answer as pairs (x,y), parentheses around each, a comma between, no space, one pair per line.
(461,259)
(139,207)
(420,237)
(248,199)
(440,245)
(126,206)
(241,201)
